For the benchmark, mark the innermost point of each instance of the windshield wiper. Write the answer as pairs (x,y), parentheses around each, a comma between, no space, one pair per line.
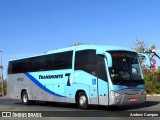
(121,82)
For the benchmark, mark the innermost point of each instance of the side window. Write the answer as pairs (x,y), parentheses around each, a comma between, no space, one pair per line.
(17,66)
(10,67)
(37,63)
(41,63)
(49,62)
(63,60)
(86,60)
(29,65)
(25,65)
(101,68)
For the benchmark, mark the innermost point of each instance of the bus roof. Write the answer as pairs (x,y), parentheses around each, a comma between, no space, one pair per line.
(82,47)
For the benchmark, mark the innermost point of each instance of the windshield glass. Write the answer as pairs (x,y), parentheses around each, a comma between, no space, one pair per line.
(125,66)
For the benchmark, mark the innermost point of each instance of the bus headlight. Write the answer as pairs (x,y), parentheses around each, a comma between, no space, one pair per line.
(115,94)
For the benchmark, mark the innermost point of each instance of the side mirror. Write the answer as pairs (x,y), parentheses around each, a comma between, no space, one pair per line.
(148,61)
(107,55)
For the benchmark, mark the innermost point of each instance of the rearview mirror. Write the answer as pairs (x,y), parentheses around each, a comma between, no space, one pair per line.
(148,61)
(107,55)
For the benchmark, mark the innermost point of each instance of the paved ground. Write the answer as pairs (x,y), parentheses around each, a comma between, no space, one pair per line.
(152,104)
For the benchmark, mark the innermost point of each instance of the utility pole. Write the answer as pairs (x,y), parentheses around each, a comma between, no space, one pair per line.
(1,73)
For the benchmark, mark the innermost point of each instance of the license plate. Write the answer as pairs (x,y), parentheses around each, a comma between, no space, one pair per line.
(132,99)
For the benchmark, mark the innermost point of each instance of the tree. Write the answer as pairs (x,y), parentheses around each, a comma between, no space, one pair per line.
(152,79)
(141,46)
(158,69)
(153,47)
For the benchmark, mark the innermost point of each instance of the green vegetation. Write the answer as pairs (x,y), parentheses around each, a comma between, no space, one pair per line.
(4,87)
(152,80)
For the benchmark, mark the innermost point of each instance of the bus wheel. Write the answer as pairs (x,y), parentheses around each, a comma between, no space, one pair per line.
(24,98)
(82,101)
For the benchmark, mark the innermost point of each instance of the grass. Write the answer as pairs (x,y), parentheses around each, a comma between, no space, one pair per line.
(4,87)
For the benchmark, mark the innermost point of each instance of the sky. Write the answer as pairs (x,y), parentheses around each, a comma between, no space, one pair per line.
(30,27)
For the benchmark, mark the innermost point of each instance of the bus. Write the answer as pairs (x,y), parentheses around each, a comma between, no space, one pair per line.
(84,74)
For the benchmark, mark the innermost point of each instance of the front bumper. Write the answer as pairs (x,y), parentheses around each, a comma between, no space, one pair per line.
(125,98)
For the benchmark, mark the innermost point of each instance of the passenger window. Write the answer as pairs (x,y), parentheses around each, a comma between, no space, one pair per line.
(86,60)
(55,61)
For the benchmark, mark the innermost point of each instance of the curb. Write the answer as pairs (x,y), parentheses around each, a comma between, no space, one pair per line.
(154,95)
(3,97)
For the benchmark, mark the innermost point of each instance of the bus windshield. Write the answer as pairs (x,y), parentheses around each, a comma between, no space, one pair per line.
(125,67)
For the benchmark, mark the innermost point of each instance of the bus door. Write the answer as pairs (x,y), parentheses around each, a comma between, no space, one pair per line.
(102,84)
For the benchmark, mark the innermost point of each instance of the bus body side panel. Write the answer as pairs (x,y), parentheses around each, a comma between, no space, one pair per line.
(88,83)
(17,83)
(82,82)
(10,87)
(39,94)
(71,91)
(52,83)
(103,91)
(43,86)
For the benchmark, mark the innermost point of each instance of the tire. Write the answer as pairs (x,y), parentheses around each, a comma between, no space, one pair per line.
(24,98)
(82,101)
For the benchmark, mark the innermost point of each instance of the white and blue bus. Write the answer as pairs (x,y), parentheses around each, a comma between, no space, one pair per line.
(84,74)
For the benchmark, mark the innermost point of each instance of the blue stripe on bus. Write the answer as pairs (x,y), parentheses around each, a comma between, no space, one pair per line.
(42,86)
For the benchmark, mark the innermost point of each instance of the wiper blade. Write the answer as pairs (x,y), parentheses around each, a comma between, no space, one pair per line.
(121,82)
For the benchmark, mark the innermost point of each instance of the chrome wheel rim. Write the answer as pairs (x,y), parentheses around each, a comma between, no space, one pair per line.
(25,98)
(82,100)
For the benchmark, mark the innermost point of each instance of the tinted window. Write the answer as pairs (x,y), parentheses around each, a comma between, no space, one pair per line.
(63,61)
(10,67)
(49,62)
(41,63)
(86,60)
(35,64)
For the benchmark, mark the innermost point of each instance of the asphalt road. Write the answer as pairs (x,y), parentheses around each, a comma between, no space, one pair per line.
(152,106)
